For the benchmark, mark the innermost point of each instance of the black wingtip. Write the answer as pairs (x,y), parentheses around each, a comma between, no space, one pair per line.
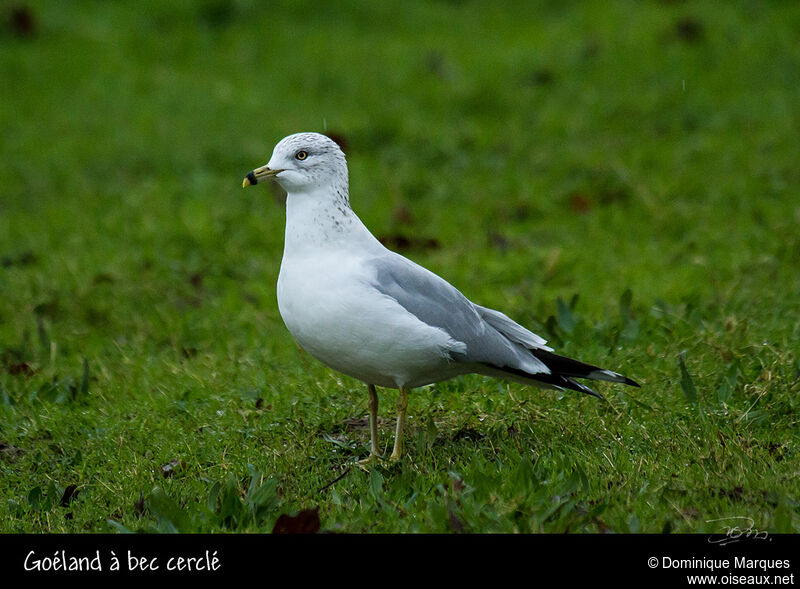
(588,390)
(566,383)
(558,381)
(570,367)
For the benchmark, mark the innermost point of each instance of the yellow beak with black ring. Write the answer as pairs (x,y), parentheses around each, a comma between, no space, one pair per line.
(259,174)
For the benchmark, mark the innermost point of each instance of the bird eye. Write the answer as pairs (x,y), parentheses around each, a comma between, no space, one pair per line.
(301,155)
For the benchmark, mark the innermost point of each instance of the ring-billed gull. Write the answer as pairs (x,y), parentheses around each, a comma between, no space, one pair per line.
(374,315)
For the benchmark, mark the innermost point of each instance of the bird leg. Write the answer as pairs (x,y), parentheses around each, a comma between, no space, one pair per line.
(402,403)
(373,420)
(374,452)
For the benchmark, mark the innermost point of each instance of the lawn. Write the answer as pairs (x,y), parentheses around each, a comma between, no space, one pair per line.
(621,177)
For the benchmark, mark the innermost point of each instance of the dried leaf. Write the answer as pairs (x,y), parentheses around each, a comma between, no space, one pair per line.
(401,241)
(23,22)
(305,522)
(9,451)
(69,494)
(689,29)
(455,523)
(403,215)
(139,506)
(499,241)
(580,203)
(172,468)
(339,139)
(21,368)
(196,280)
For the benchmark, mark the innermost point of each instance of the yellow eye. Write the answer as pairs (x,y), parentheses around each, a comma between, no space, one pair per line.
(301,155)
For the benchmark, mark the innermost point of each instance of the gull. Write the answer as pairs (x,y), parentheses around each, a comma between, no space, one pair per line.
(375,315)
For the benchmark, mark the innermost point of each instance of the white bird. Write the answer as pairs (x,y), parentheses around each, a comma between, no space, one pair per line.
(374,315)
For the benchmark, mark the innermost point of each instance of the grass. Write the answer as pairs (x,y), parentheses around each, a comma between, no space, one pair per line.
(620,177)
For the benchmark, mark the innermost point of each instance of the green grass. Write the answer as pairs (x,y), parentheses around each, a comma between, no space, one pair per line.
(620,177)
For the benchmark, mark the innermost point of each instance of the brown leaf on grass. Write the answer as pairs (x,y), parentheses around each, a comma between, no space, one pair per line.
(50,308)
(455,524)
(26,258)
(69,494)
(457,485)
(188,352)
(541,77)
(777,451)
(139,505)
(352,424)
(355,423)
(734,494)
(403,215)
(192,302)
(522,212)
(172,468)
(689,30)
(499,241)
(22,21)
(196,280)
(400,241)
(691,512)
(21,368)
(339,139)
(103,278)
(580,203)
(9,451)
(602,527)
(305,522)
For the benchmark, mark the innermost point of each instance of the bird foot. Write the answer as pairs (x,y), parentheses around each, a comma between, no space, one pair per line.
(368,462)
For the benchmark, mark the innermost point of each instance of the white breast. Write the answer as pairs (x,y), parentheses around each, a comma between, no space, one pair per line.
(329,306)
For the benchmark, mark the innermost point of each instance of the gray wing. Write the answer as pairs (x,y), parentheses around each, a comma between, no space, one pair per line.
(495,344)
(511,329)
(492,339)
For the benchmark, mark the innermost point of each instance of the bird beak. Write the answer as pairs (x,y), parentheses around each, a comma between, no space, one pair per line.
(259,174)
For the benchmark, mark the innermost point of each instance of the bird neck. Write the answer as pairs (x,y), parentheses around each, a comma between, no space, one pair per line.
(323,219)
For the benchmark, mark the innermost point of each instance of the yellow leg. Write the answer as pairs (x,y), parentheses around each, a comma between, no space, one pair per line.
(402,404)
(373,420)
(374,452)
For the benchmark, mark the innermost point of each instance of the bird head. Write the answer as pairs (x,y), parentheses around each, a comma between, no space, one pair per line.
(303,162)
